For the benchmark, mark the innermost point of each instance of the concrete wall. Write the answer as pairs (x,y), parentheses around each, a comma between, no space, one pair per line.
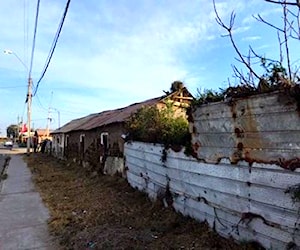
(247,203)
(246,156)
(264,128)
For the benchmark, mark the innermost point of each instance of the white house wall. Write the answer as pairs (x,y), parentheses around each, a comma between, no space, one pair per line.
(223,194)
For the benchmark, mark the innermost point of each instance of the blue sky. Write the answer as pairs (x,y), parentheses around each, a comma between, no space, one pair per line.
(114,53)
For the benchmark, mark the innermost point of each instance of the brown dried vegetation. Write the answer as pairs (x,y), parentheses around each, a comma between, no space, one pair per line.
(101,212)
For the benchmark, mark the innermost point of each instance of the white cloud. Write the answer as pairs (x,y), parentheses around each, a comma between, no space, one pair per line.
(251,38)
(112,53)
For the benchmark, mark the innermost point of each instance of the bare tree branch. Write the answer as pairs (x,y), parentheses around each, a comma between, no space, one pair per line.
(229,30)
(261,57)
(296,31)
(284,2)
(280,48)
(286,42)
(239,74)
(260,19)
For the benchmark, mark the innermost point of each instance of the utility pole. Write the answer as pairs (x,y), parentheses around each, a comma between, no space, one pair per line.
(18,129)
(29,99)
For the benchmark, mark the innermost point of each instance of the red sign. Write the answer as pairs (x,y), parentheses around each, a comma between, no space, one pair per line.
(24,128)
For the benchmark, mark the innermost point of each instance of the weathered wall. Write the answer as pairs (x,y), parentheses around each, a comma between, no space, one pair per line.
(247,203)
(58,145)
(114,165)
(93,154)
(263,129)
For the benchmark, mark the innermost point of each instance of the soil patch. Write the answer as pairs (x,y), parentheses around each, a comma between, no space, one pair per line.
(89,211)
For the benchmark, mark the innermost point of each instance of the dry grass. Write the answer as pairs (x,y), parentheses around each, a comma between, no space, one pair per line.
(102,212)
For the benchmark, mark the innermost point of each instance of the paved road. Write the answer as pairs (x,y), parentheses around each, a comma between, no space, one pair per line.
(23,216)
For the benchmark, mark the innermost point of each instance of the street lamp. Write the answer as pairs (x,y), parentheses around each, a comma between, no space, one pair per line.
(29,97)
(10,52)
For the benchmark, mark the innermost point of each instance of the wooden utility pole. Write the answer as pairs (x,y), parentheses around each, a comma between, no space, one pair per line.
(29,99)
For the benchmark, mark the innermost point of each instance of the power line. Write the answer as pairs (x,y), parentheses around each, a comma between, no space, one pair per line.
(34,36)
(40,104)
(53,46)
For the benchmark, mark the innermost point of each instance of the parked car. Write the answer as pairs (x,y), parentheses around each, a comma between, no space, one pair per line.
(8,144)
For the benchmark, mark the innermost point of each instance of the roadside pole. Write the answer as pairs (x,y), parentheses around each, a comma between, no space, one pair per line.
(29,98)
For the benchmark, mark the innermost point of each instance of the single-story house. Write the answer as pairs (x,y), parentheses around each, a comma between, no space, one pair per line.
(43,134)
(97,140)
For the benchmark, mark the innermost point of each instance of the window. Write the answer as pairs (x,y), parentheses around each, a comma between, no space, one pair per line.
(104,140)
(81,147)
(81,139)
(67,140)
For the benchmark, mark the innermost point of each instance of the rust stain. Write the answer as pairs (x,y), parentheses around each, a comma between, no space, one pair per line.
(239,133)
(240,146)
(194,150)
(246,140)
(292,164)
(236,157)
(196,146)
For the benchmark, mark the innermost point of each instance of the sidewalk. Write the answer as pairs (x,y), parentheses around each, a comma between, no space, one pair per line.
(23,216)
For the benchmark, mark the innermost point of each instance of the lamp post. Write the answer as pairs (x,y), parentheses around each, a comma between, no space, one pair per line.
(29,98)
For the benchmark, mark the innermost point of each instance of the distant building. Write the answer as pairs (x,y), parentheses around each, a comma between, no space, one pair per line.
(96,139)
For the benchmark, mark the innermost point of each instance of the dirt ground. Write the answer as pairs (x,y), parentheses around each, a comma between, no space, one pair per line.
(91,211)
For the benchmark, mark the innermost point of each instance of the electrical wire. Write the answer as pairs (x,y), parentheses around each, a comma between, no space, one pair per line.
(53,46)
(40,104)
(34,36)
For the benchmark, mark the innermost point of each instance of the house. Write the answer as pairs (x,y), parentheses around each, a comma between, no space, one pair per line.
(43,134)
(97,140)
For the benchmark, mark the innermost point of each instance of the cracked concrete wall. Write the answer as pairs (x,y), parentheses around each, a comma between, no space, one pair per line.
(262,128)
(239,201)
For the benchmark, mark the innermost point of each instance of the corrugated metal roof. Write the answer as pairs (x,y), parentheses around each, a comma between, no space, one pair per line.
(104,118)
(72,125)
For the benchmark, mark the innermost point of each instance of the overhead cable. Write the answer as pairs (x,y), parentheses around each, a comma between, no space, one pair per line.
(53,46)
(34,37)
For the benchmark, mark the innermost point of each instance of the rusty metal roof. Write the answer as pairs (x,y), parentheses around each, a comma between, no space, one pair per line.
(104,118)
(72,125)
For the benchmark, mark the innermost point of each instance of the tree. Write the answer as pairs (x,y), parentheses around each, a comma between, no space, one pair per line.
(276,75)
(12,131)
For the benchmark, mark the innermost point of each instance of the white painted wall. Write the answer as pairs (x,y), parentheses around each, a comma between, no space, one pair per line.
(221,193)
(58,145)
